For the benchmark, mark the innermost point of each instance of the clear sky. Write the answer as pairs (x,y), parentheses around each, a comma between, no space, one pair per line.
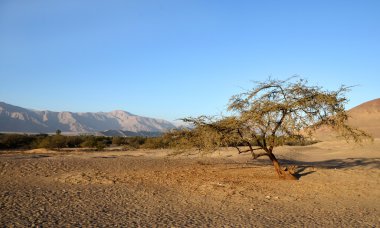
(172,59)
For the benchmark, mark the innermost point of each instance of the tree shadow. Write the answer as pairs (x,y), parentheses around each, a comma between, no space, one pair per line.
(337,163)
(34,156)
(306,168)
(301,171)
(105,157)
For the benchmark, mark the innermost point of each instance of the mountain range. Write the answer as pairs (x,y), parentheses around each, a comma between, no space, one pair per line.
(18,119)
(121,123)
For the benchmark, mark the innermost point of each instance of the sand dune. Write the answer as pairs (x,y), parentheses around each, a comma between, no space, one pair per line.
(339,187)
(367,117)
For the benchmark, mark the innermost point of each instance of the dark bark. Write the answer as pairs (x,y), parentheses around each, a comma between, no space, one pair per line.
(282,174)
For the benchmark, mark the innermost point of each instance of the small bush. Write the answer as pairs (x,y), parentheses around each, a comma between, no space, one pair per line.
(16,141)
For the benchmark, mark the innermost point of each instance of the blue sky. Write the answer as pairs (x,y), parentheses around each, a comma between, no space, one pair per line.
(172,59)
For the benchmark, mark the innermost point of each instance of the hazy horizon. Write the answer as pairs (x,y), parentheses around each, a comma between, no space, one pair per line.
(170,59)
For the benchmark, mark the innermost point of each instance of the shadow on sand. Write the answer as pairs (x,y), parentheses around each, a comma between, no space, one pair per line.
(302,166)
(337,163)
(305,168)
(34,156)
(105,157)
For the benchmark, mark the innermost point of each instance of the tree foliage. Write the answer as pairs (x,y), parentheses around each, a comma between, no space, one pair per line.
(280,109)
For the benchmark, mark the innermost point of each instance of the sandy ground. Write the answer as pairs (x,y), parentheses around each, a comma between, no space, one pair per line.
(339,187)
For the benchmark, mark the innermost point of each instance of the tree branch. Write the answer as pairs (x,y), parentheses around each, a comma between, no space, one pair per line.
(256,156)
(244,140)
(278,125)
(246,151)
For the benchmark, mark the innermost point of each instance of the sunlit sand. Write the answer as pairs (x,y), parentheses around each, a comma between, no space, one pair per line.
(338,186)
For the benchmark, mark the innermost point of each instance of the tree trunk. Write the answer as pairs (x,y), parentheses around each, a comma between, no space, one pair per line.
(282,174)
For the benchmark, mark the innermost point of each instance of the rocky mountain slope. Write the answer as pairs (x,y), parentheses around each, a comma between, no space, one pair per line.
(18,119)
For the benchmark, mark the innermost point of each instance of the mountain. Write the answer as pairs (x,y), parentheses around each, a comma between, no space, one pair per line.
(129,133)
(17,119)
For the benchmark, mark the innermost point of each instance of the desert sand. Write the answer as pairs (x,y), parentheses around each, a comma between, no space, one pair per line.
(339,186)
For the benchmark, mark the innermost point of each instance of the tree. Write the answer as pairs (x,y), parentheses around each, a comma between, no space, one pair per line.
(117,140)
(274,109)
(52,142)
(58,141)
(58,132)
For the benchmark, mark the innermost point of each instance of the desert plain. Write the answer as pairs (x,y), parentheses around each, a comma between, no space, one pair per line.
(339,186)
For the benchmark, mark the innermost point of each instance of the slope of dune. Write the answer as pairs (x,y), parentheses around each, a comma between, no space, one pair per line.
(367,117)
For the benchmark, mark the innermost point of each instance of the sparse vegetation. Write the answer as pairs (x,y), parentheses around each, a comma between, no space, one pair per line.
(58,141)
(18,141)
(180,140)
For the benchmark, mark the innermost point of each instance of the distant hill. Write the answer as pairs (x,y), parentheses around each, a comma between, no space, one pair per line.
(129,133)
(18,119)
(365,117)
